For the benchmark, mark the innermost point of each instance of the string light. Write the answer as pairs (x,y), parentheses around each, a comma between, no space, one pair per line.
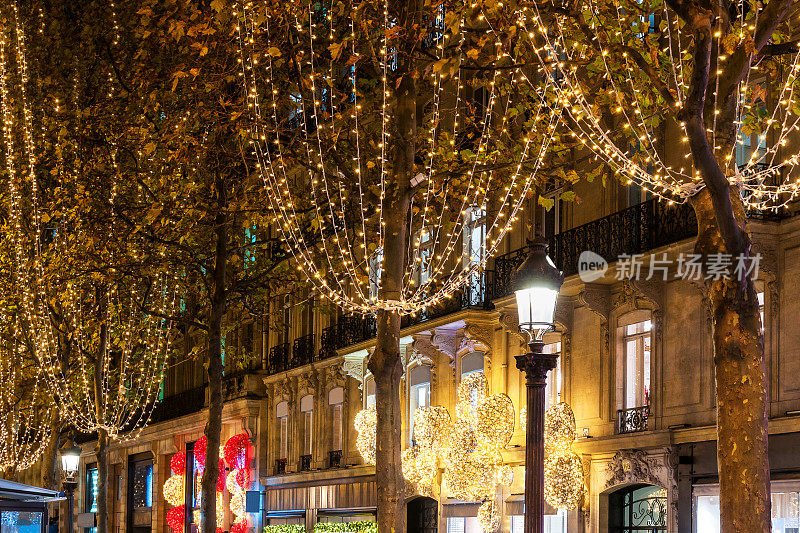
(343,261)
(366,423)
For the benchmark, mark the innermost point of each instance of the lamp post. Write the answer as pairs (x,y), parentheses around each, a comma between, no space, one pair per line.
(70,460)
(536,285)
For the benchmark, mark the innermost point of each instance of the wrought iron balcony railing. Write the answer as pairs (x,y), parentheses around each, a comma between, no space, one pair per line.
(335,459)
(305,463)
(633,420)
(303,350)
(279,359)
(180,404)
(280,466)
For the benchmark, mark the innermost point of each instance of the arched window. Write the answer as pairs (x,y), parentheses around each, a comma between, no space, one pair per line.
(336,400)
(641,508)
(471,362)
(419,393)
(282,414)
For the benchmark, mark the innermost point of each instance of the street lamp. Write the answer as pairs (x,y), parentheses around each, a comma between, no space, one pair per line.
(70,460)
(536,285)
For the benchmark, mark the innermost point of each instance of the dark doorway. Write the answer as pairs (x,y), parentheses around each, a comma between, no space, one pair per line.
(638,509)
(423,515)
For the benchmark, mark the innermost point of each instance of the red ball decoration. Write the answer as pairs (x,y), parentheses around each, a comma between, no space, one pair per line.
(200,450)
(178,463)
(221,477)
(239,527)
(175,517)
(237,451)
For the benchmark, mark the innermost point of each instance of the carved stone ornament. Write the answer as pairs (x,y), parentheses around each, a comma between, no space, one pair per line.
(631,466)
(353,366)
(596,298)
(480,336)
(510,323)
(423,351)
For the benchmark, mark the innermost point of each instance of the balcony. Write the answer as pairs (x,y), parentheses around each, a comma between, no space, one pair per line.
(335,459)
(305,463)
(280,466)
(632,420)
(635,230)
(279,359)
(303,351)
(181,404)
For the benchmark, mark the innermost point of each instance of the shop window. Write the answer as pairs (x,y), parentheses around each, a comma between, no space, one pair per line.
(785,507)
(463,524)
(637,509)
(419,393)
(90,496)
(556,523)
(142,490)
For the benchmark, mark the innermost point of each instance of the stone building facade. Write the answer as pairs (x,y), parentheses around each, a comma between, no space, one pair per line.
(635,365)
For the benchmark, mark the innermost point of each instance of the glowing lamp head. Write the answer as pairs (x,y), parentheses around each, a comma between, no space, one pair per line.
(536,285)
(70,460)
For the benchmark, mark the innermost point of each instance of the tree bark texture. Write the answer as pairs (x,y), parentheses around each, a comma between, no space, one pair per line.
(101,449)
(49,467)
(386,363)
(740,377)
(208,484)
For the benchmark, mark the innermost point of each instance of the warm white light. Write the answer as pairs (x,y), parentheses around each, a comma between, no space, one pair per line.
(536,307)
(70,459)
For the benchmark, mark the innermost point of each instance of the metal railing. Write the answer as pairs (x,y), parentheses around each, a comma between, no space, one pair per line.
(280,466)
(305,463)
(180,404)
(633,420)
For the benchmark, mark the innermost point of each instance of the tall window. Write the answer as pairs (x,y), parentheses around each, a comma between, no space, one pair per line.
(307,416)
(419,393)
(282,414)
(552,214)
(636,344)
(785,507)
(370,392)
(336,400)
(750,147)
(552,391)
(470,364)
(424,243)
(760,295)
(375,272)
(474,236)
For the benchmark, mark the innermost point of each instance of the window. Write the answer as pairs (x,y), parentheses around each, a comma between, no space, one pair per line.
(636,347)
(419,393)
(335,400)
(370,396)
(553,387)
(637,195)
(463,524)
(375,272)
(307,415)
(142,480)
(552,214)
(423,243)
(474,236)
(553,523)
(750,148)
(785,507)
(760,296)
(282,414)
(90,497)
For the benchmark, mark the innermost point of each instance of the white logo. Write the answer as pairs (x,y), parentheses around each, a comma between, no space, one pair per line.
(591,266)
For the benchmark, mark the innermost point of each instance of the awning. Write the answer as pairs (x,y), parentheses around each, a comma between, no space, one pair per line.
(10,490)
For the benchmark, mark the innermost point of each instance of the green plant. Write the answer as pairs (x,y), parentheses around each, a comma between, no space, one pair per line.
(346,527)
(285,528)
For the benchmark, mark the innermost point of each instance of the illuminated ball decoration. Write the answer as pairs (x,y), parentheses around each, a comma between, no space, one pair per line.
(563,471)
(174,490)
(237,451)
(366,423)
(178,463)
(175,517)
(200,451)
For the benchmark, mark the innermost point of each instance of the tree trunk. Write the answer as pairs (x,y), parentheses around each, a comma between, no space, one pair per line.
(385,363)
(208,484)
(50,467)
(741,391)
(101,450)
